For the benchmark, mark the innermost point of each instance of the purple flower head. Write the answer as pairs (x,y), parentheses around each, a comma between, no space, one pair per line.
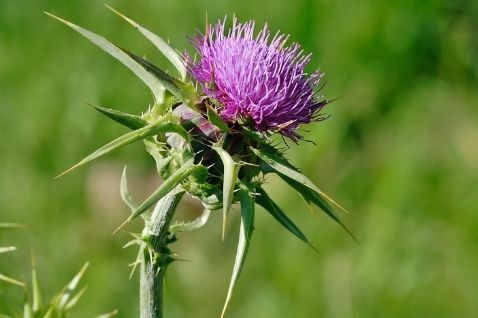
(255,78)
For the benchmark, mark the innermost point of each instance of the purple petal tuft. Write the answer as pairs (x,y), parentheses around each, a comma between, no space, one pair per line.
(256,78)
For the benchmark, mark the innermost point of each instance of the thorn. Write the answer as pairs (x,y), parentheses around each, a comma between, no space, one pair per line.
(66,171)
(58,18)
(130,243)
(121,226)
(207,25)
(133,264)
(137,261)
(12,281)
(135,25)
(245,163)
(313,247)
(224,221)
(333,202)
(335,99)
(351,234)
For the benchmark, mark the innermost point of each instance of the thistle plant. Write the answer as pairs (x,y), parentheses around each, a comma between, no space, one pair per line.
(8,249)
(34,305)
(59,306)
(210,130)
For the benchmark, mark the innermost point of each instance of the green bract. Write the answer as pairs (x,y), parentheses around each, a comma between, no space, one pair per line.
(197,152)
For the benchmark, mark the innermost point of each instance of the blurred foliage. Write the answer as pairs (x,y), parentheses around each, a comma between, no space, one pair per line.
(400,151)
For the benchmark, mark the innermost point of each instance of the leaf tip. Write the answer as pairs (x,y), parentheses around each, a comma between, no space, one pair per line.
(57,18)
(66,172)
(224,221)
(121,15)
(121,226)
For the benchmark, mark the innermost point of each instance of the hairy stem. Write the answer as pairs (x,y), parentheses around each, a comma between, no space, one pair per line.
(155,257)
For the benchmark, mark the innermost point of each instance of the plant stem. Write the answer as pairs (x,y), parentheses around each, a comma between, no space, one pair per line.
(152,267)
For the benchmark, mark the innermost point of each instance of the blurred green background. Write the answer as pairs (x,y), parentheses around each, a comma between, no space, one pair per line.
(400,151)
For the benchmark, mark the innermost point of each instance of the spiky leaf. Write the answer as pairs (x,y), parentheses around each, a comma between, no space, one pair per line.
(245,234)
(216,120)
(184,92)
(133,122)
(154,84)
(270,206)
(313,197)
(192,225)
(292,176)
(131,137)
(231,171)
(168,185)
(160,44)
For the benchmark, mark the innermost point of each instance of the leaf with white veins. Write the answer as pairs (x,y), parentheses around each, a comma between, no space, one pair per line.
(282,166)
(131,137)
(245,234)
(302,184)
(231,171)
(184,92)
(154,84)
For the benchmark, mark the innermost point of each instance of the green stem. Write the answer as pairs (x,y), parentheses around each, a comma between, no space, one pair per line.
(154,259)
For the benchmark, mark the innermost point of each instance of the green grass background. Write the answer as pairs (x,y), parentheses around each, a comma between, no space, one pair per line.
(400,151)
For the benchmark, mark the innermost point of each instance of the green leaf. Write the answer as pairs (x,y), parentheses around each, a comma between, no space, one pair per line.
(245,234)
(300,183)
(192,225)
(168,185)
(279,164)
(160,44)
(131,121)
(315,198)
(125,195)
(231,171)
(270,206)
(216,120)
(131,137)
(184,92)
(154,84)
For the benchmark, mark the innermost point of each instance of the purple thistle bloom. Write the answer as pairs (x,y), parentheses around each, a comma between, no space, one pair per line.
(255,79)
